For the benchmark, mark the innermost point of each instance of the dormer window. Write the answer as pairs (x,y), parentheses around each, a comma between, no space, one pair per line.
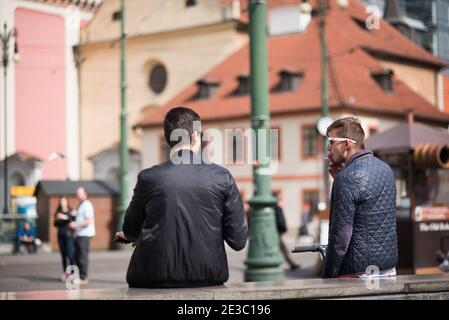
(243,85)
(384,79)
(206,88)
(289,80)
(361,24)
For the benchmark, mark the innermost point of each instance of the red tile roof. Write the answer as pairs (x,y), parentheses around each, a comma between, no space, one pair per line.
(350,82)
(85,5)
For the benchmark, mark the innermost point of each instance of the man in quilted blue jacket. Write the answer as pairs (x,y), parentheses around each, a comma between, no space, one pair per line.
(362,224)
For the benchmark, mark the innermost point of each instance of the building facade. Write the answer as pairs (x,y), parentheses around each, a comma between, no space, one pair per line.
(41,94)
(169,44)
(424,22)
(377,75)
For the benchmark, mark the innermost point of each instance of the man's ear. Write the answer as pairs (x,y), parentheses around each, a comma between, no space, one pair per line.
(195,140)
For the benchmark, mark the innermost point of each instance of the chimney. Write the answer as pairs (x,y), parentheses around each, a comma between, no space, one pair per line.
(410,116)
(393,10)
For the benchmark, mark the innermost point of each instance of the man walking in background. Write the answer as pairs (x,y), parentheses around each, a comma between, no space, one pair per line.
(85,230)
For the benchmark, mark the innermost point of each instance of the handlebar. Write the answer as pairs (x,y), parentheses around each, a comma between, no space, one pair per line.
(321,248)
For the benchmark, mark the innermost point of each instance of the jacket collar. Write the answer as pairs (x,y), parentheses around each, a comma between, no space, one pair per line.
(359,154)
(186,156)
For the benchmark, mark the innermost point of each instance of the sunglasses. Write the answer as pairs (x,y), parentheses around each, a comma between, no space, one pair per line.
(332,140)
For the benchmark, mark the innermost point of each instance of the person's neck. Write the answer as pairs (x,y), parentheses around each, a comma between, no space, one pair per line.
(176,150)
(351,154)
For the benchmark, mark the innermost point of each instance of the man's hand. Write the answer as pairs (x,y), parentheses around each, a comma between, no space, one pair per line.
(335,168)
(120,234)
(72,225)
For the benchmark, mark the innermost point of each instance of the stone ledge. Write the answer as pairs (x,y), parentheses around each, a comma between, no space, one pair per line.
(400,287)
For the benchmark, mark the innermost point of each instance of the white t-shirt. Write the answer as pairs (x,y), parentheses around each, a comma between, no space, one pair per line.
(85,210)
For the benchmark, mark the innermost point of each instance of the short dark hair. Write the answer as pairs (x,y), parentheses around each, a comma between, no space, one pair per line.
(350,128)
(179,118)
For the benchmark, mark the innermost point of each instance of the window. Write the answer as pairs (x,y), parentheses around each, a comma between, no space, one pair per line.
(117,15)
(310,141)
(384,79)
(243,86)
(206,89)
(361,24)
(158,78)
(164,149)
(289,80)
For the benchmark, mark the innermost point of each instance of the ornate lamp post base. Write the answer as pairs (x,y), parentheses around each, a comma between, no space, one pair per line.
(264,256)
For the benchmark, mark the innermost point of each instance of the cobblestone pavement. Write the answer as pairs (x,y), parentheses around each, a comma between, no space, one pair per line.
(108,269)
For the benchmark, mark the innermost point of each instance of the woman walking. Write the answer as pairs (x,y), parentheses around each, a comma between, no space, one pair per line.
(63,216)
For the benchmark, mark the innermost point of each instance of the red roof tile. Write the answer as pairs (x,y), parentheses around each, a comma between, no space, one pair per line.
(350,82)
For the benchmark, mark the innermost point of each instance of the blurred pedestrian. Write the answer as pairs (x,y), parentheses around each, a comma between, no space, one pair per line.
(63,216)
(85,230)
(26,237)
(281,227)
(305,219)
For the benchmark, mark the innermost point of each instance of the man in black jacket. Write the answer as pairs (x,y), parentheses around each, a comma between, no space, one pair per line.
(181,213)
(362,226)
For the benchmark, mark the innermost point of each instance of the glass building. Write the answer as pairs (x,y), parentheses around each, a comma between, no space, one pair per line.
(424,22)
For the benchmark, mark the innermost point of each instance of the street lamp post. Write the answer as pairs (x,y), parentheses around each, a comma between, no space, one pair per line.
(5,36)
(124,153)
(323,6)
(264,255)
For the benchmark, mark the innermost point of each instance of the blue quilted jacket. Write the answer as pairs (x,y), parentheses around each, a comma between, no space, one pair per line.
(362,225)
